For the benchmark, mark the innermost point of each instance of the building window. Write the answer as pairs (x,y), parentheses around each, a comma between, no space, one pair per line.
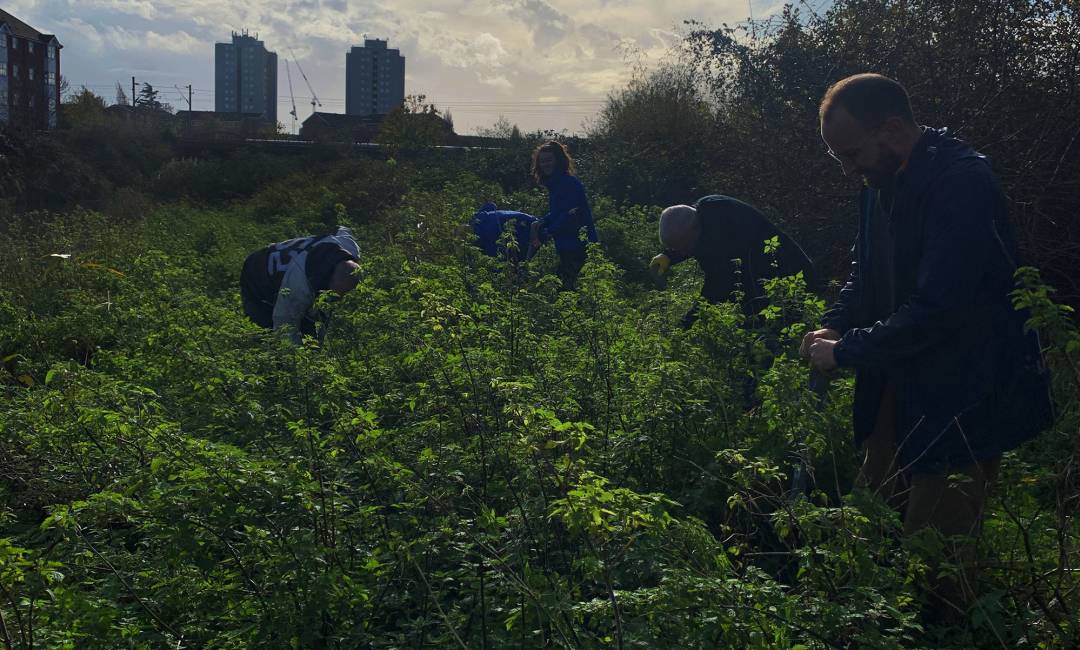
(30,71)
(52,53)
(3,70)
(30,46)
(14,69)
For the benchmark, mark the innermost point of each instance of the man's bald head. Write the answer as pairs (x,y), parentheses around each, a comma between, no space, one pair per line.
(344,277)
(679,228)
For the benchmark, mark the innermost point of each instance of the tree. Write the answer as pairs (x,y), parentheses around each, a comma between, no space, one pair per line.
(413,126)
(148,98)
(149,105)
(121,96)
(83,109)
(651,137)
(1003,75)
(503,129)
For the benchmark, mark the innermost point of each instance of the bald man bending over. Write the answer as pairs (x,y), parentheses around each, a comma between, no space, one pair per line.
(717,230)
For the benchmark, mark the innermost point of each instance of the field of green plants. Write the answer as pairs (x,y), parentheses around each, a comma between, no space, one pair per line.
(471,459)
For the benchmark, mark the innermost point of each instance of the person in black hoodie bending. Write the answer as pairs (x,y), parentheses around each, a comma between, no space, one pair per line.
(718,230)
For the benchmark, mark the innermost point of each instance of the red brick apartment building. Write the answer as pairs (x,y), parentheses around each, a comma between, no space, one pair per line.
(29,75)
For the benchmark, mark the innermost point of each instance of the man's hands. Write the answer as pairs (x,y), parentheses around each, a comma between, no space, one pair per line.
(660,264)
(818,348)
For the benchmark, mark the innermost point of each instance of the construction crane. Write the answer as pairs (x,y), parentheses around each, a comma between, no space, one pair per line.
(314,98)
(288,75)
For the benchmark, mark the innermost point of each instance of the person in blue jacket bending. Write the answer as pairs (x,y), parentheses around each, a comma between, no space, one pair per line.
(488,224)
(568,210)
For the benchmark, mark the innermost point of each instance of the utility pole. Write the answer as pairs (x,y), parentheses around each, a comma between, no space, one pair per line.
(187,122)
(178,88)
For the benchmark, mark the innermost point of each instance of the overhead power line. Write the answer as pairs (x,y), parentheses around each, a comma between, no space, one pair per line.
(471,101)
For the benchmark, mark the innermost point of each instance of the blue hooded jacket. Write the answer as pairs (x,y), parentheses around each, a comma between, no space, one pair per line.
(488,225)
(568,213)
(969,381)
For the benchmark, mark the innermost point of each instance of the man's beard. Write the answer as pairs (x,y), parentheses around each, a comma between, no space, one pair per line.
(885,173)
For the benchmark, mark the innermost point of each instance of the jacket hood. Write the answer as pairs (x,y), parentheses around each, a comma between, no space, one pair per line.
(935,152)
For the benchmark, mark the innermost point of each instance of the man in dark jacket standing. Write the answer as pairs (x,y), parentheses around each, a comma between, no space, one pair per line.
(718,230)
(946,378)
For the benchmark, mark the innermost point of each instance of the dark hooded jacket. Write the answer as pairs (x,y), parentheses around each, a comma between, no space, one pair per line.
(940,327)
(733,230)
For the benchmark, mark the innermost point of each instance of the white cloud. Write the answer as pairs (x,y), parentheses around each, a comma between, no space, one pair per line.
(119,38)
(483,50)
(138,41)
(178,42)
(144,9)
(82,31)
(548,24)
(498,81)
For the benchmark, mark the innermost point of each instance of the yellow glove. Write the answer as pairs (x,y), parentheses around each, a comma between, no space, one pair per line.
(660,264)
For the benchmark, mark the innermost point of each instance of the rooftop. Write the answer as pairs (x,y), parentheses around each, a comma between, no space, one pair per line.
(21,29)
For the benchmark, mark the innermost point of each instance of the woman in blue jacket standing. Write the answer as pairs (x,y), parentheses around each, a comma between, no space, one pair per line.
(568,209)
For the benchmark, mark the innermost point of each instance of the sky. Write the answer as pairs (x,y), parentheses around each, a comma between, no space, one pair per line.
(543,64)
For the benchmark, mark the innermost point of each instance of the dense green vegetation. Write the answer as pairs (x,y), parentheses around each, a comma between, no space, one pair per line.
(472,458)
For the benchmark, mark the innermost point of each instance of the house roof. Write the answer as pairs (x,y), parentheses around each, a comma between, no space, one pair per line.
(342,120)
(21,29)
(202,116)
(339,120)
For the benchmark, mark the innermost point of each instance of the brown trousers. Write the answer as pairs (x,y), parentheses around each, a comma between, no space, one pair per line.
(951,502)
